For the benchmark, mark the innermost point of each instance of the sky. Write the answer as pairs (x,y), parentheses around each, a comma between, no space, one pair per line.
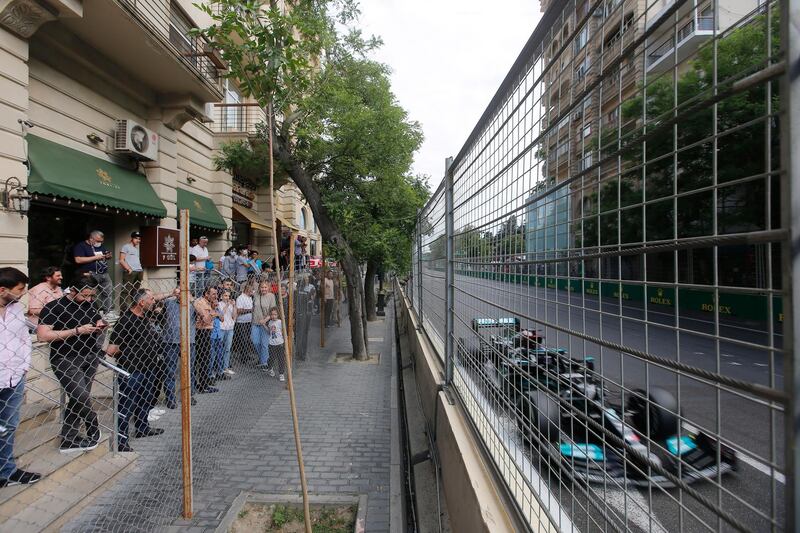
(448,58)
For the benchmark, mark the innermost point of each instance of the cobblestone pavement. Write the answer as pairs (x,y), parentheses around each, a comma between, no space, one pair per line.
(242,441)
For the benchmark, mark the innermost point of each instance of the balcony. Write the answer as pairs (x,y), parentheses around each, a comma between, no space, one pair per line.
(151,40)
(236,119)
(690,36)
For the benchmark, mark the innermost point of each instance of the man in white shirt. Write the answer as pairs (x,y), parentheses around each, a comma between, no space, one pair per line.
(241,330)
(15,359)
(131,270)
(200,252)
(330,302)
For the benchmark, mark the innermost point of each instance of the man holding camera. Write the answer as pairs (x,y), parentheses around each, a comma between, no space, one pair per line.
(71,325)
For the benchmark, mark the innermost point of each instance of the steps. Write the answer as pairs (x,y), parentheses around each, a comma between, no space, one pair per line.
(70,481)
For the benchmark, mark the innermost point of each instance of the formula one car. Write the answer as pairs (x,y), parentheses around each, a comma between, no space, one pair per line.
(562,408)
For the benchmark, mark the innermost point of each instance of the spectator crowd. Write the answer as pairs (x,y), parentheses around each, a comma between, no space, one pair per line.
(233,318)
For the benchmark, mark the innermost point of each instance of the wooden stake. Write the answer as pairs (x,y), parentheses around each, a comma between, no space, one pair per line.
(290,382)
(290,320)
(186,369)
(322,315)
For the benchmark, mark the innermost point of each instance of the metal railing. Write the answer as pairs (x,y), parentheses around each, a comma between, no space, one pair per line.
(173,29)
(237,118)
(618,332)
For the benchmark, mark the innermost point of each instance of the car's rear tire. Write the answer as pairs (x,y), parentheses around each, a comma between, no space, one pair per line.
(661,409)
(538,411)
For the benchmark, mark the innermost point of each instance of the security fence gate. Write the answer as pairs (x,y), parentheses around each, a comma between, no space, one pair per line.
(606,269)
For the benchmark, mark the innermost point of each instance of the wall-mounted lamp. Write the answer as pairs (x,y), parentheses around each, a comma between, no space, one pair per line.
(15,197)
(190,179)
(232,235)
(94,138)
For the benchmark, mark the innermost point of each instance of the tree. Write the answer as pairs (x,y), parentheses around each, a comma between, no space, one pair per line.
(325,103)
(674,115)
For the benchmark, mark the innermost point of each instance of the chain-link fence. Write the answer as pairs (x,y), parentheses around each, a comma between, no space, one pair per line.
(91,389)
(605,270)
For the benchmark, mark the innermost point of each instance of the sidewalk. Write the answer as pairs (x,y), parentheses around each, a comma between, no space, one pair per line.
(242,441)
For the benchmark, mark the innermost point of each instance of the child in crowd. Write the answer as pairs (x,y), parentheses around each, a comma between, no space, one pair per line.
(227,316)
(277,354)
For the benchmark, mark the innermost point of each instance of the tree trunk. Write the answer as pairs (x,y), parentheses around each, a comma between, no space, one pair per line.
(331,233)
(369,290)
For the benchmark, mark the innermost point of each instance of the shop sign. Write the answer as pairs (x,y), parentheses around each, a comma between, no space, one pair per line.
(243,194)
(160,246)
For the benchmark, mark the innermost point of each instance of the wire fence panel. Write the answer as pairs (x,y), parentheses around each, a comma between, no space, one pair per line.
(620,277)
(91,389)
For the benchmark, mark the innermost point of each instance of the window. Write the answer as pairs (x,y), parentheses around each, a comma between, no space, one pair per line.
(232,116)
(179,27)
(313,248)
(581,39)
(302,218)
(582,69)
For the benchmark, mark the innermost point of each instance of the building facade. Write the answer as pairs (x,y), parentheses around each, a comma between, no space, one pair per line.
(597,75)
(107,120)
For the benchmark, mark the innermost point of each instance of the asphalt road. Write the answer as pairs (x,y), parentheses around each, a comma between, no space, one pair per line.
(752,495)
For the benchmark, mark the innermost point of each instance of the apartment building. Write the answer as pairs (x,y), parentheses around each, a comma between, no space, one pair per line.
(111,112)
(592,65)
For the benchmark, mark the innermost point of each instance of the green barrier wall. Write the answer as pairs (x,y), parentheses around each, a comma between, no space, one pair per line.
(743,306)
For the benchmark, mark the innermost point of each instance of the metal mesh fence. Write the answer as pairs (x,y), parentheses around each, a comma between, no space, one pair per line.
(615,265)
(91,391)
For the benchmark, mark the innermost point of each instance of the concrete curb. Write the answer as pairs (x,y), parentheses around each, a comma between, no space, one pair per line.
(296,499)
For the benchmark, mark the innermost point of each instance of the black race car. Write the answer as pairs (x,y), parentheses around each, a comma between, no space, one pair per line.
(562,408)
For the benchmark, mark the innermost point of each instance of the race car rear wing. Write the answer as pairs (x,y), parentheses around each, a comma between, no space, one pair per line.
(510,322)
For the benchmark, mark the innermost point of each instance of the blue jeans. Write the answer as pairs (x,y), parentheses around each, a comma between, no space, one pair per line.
(10,402)
(134,402)
(260,337)
(172,351)
(227,343)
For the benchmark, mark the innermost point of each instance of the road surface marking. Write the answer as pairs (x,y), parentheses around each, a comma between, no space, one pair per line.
(727,355)
(760,364)
(635,507)
(699,353)
(733,363)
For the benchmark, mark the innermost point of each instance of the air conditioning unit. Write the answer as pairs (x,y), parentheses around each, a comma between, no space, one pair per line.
(135,141)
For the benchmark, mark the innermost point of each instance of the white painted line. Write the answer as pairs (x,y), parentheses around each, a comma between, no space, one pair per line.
(699,353)
(632,505)
(760,364)
(761,467)
(733,363)
(727,355)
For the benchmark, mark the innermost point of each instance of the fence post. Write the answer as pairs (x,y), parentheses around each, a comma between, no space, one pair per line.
(790,134)
(419,266)
(113,445)
(449,275)
(186,370)
(322,323)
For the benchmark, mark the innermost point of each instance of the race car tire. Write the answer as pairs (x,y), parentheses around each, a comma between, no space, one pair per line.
(661,410)
(536,410)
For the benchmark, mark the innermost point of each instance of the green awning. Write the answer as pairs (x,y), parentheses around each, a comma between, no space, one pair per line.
(202,211)
(66,173)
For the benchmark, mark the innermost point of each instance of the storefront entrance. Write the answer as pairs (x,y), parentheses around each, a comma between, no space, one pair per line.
(53,230)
